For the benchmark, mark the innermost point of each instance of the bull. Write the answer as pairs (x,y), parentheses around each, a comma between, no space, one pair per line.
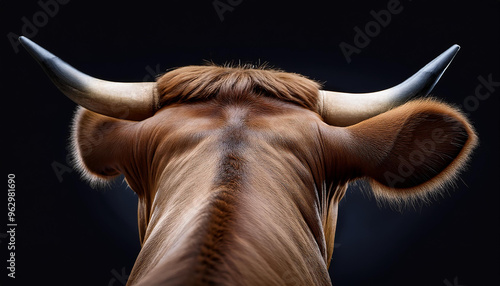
(239,171)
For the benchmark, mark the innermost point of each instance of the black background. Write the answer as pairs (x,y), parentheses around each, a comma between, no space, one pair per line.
(70,234)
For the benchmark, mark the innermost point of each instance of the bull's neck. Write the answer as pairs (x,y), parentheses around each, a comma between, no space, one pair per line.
(253,219)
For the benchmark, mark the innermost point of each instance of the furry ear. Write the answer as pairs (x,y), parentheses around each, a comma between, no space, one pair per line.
(98,145)
(411,150)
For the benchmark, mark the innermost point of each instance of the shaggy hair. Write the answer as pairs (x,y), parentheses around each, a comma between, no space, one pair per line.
(200,83)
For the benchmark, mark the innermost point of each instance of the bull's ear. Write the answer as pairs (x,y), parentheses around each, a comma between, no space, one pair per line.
(99,145)
(411,150)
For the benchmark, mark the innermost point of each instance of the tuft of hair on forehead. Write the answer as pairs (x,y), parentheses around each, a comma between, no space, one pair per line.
(231,83)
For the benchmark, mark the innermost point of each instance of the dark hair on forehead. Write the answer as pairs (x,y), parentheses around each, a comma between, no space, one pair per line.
(200,83)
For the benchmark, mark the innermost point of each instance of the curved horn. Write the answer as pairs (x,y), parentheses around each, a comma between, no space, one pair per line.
(125,100)
(343,109)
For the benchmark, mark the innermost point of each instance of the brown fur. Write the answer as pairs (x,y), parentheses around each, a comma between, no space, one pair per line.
(239,179)
(425,135)
(201,83)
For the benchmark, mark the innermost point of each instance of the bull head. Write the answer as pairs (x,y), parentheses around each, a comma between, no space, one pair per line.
(239,172)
